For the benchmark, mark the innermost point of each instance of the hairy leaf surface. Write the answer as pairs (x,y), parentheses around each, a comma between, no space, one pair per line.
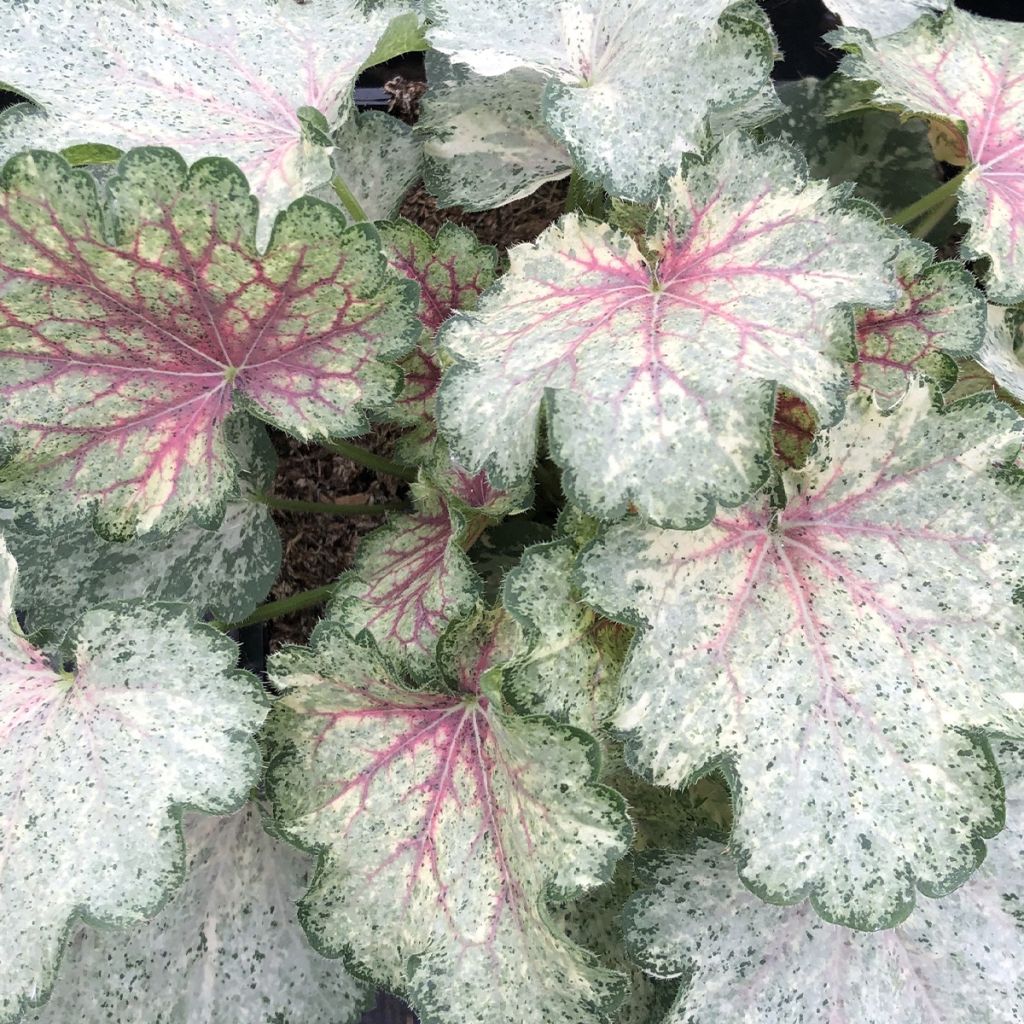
(999,353)
(658,377)
(840,656)
(227,949)
(959,959)
(964,70)
(130,330)
(626,102)
(885,17)
(95,765)
(193,76)
(442,824)
(940,317)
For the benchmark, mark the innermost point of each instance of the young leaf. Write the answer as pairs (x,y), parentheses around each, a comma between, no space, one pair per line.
(130,330)
(940,317)
(999,354)
(959,959)
(882,19)
(840,656)
(963,70)
(442,824)
(227,949)
(625,102)
(192,76)
(658,377)
(95,765)
(484,140)
(226,571)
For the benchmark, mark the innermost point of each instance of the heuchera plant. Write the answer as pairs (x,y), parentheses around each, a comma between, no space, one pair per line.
(688,683)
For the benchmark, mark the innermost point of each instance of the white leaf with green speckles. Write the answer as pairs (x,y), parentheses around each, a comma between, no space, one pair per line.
(883,17)
(196,76)
(442,824)
(227,949)
(572,669)
(1000,351)
(484,140)
(133,326)
(840,656)
(94,768)
(226,571)
(964,70)
(626,102)
(957,960)
(940,317)
(658,377)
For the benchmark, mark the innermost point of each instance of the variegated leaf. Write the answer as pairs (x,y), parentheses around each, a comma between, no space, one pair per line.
(883,17)
(95,765)
(626,102)
(484,140)
(572,670)
(227,949)
(130,330)
(794,429)
(841,656)
(194,76)
(450,270)
(442,823)
(658,378)
(958,960)
(940,317)
(964,70)
(226,571)
(1000,352)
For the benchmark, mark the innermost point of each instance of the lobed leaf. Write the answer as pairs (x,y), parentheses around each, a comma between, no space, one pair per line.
(95,766)
(227,948)
(442,825)
(658,376)
(130,330)
(965,71)
(841,657)
(195,77)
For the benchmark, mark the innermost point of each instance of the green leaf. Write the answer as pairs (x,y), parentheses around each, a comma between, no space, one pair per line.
(442,824)
(840,658)
(95,767)
(658,374)
(133,327)
(226,949)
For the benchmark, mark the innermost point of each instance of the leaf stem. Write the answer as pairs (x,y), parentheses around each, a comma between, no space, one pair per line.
(348,200)
(327,508)
(927,203)
(285,606)
(367,458)
(929,223)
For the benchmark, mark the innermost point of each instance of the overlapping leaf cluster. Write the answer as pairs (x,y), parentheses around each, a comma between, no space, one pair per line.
(688,685)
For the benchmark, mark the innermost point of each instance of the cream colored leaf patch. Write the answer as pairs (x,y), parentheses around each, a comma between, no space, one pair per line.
(883,17)
(1000,352)
(658,373)
(842,656)
(443,823)
(964,70)
(95,765)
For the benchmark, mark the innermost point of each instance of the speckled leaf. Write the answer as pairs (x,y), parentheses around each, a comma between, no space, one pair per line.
(889,161)
(627,102)
(484,140)
(840,656)
(958,960)
(124,346)
(95,765)
(226,571)
(572,669)
(442,823)
(966,70)
(940,317)
(1000,352)
(227,949)
(794,429)
(658,378)
(411,578)
(883,17)
(450,270)
(193,76)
